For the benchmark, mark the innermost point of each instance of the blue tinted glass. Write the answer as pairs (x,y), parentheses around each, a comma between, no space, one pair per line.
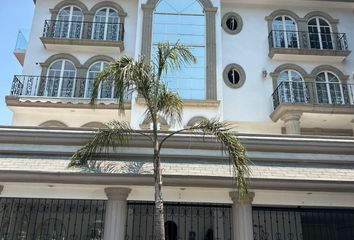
(183,21)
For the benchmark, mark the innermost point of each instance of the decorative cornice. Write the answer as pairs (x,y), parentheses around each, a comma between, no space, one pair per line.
(173,180)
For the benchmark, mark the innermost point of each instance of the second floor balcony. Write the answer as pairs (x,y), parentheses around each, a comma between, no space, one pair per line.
(307,46)
(106,37)
(329,102)
(69,91)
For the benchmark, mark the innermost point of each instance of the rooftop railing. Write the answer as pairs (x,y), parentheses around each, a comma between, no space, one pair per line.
(59,87)
(307,40)
(80,30)
(320,93)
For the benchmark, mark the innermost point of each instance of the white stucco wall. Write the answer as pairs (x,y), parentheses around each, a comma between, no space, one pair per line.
(248,107)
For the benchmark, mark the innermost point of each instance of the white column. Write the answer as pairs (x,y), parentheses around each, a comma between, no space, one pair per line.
(292,123)
(116,213)
(242,216)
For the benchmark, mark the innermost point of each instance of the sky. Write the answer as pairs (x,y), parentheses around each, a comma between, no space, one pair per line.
(14,15)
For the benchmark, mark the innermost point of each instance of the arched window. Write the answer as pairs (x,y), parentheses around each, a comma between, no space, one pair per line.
(285,33)
(183,21)
(106,91)
(329,89)
(60,80)
(106,25)
(320,33)
(291,87)
(69,23)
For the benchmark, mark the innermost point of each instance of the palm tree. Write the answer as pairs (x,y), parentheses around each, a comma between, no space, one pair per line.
(146,79)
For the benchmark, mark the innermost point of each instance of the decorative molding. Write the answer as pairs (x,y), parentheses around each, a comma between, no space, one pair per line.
(60,56)
(117,193)
(328,68)
(54,11)
(170,180)
(98,58)
(241,72)
(283,108)
(110,4)
(242,198)
(288,66)
(190,103)
(195,120)
(53,123)
(93,125)
(238,20)
(14,101)
(282,12)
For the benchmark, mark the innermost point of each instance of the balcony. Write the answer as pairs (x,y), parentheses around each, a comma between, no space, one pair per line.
(66,92)
(21,46)
(67,36)
(307,46)
(322,105)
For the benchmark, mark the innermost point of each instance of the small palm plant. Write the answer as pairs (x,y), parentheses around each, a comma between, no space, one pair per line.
(146,79)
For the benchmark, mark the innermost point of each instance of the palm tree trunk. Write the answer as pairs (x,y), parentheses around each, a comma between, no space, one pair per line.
(159,209)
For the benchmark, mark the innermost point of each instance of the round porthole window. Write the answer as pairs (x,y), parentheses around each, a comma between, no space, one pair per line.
(232,23)
(234,75)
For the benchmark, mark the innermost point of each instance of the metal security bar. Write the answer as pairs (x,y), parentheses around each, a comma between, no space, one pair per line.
(321,93)
(104,31)
(182,221)
(307,40)
(51,219)
(303,224)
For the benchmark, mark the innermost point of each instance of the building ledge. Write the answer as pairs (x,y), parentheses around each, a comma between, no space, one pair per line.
(191,103)
(301,54)
(47,102)
(83,45)
(285,108)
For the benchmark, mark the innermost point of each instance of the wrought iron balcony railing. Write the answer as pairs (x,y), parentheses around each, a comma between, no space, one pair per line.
(320,93)
(59,87)
(80,30)
(307,40)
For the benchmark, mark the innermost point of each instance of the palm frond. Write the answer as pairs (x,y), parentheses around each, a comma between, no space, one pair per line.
(114,134)
(170,57)
(127,75)
(233,148)
(169,105)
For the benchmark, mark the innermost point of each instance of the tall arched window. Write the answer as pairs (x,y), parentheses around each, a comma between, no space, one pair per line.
(106,90)
(320,33)
(329,89)
(60,80)
(106,25)
(291,87)
(183,21)
(69,23)
(285,33)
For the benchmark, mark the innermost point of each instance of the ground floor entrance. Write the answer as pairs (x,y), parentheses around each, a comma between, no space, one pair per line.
(69,219)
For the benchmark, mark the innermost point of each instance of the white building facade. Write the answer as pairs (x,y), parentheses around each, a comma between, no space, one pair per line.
(281,72)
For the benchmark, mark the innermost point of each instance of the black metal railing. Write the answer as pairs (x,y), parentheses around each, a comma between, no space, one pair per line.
(302,224)
(307,40)
(182,221)
(60,87)
(22,218)
(102,31)
(304,92)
